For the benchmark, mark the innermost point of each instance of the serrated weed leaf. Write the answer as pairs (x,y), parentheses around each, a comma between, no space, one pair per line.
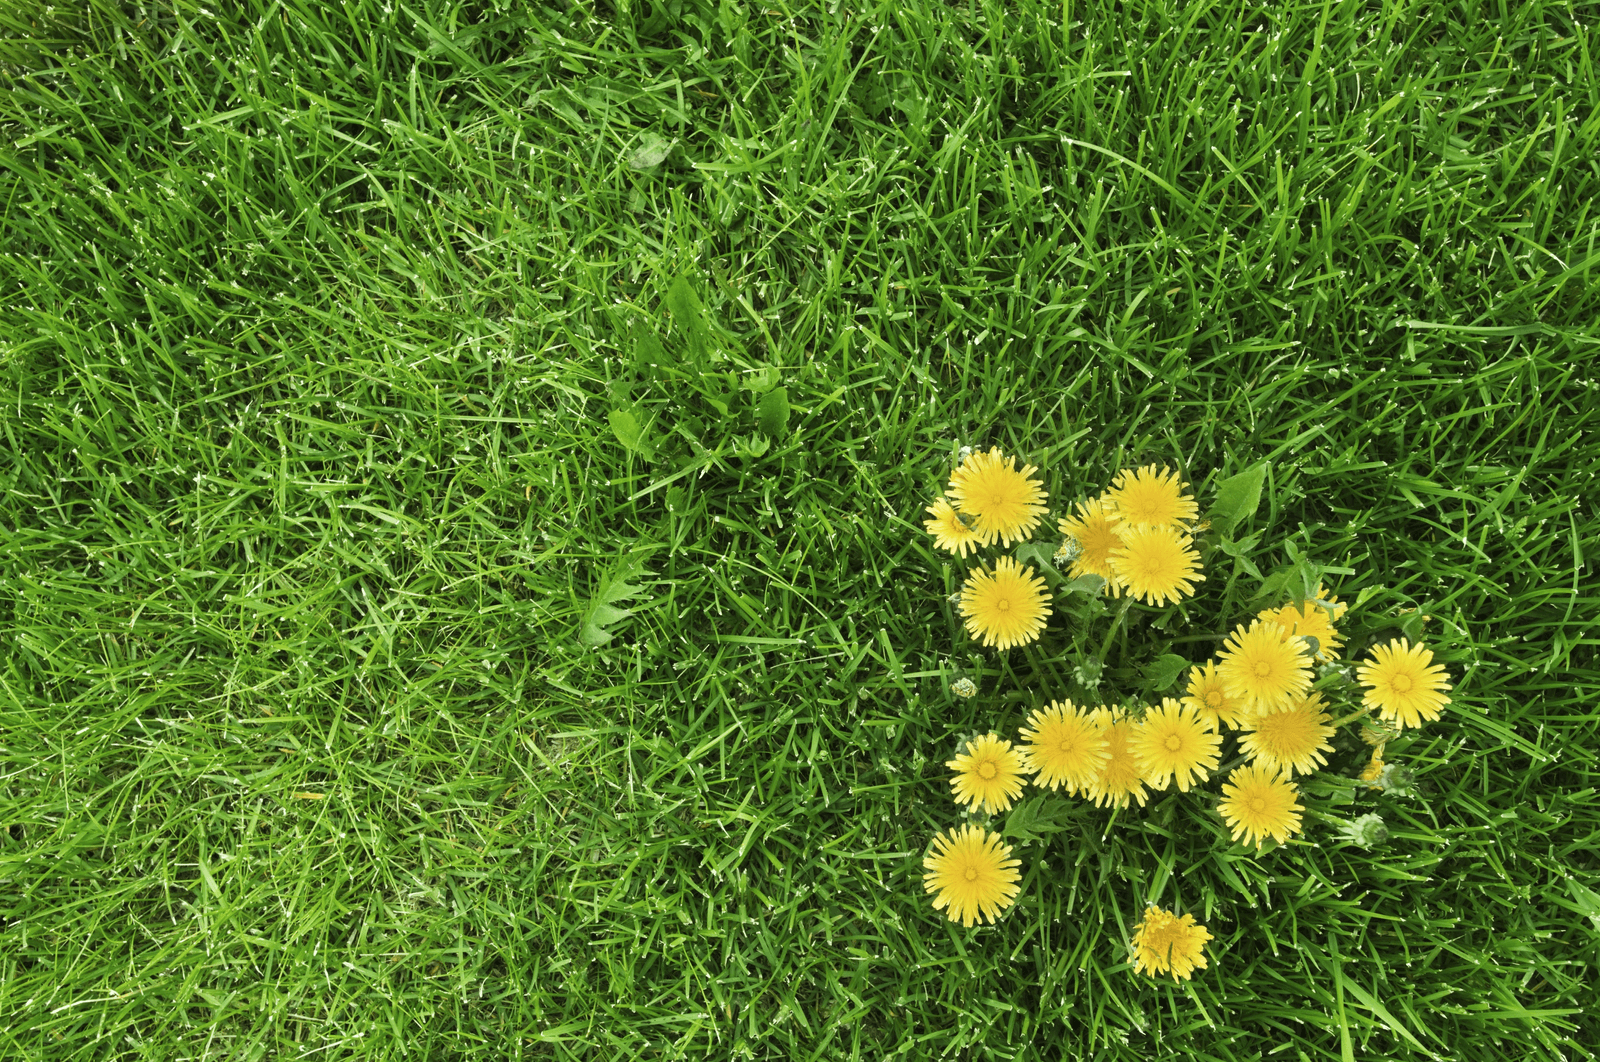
(615,587)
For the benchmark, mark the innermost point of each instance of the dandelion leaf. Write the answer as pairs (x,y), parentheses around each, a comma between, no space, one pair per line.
(1164,671)
(772,414)
(690,316)
(615,587)
(1037,817)
(1238,497)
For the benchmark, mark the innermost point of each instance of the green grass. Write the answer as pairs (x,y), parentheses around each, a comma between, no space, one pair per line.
(314,325)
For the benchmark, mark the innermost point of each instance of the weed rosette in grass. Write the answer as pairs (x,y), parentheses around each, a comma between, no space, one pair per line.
(1257,718)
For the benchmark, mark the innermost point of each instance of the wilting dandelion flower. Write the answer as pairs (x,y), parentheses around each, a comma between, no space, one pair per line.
(1172,742)
(1263,667)
(1006,503)
(971,875)
(1096,531)
(1156,565)
(989,774)
(1257,803)
(1401,685)
(1064,746)
(1166,943)
(1289,741)
(1151,498)
(948,530)
(1005,607)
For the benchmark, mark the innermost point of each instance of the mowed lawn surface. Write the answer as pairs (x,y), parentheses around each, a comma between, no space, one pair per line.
(343,395)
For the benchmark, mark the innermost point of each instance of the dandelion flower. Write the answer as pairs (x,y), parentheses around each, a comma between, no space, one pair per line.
(1156,565)
(948,531)
(1151,498)
(1095,530)
(1402,687)
(1005,607)
(969,870)
(1065,746)
(1207,696)
(1289,741)
(989,774)
(1311,618)
(1172,742)
(1374,768)
(1006,502)
(1120,778)
(1264,668)
(1257,803)
(1166,943)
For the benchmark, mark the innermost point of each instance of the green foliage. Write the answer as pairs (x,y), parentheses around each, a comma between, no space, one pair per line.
(1041,816)
(614,587)
(1238,497)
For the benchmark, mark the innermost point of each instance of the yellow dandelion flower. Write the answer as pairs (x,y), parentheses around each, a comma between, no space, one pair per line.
(1289,741)
(1006,502)
(1374,766)
(1156,565)
(1095,530)
(1312,619)
(948,531)
(1005,607)
(1172,742)
(1064,746)
(1166,943)
(1120,778)
(989,774)
(1207,696)
(969,871)
(1257,803)
(1264,668)
(1402,687)
(1152,498)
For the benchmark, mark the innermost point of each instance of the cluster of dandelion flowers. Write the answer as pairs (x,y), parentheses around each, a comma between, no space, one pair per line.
(1264,668)
(948,530)
(1166,943)
(989,774)
(1120,779)
(1156,565)
(1313,619)
(1149,497)
(1095,530)
(1065,748)
(1206,695)
(1172,742)
(1005,502)
(1289,741)
(1257,803)
(1005,607)
(971,875)
(1401,685)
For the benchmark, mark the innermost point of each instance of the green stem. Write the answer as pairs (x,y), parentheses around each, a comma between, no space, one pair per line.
(1337,723)
(1105,646)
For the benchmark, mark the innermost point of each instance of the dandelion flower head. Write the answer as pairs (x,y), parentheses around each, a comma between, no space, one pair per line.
(968,870)
(1120,779)
(1263,667)
(1152,498)
(1096,530)
(948,530)
(989,774)
(1257,803)
(1156,565)
(1006,503)
(1206,695)
(1005,607)
(1064,746)
(1312,619)
(1289,741)
(1166,943)
(1172,742)
(1401,685)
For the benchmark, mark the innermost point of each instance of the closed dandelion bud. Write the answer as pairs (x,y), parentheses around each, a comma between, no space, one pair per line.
(1397,780)
(1368,831)
(964,687)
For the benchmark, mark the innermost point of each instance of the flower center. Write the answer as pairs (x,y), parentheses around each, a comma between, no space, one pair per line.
(987,770)
(1258,805)
(1002,605)
(1263,669)
(1173,743)
(1401,684)
(1214,698)
(971,874)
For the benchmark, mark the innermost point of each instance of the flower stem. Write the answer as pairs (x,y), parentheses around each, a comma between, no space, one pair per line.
(1337,723)
(1105,646)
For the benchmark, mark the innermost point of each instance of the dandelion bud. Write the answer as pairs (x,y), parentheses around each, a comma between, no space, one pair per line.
(1367,831)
